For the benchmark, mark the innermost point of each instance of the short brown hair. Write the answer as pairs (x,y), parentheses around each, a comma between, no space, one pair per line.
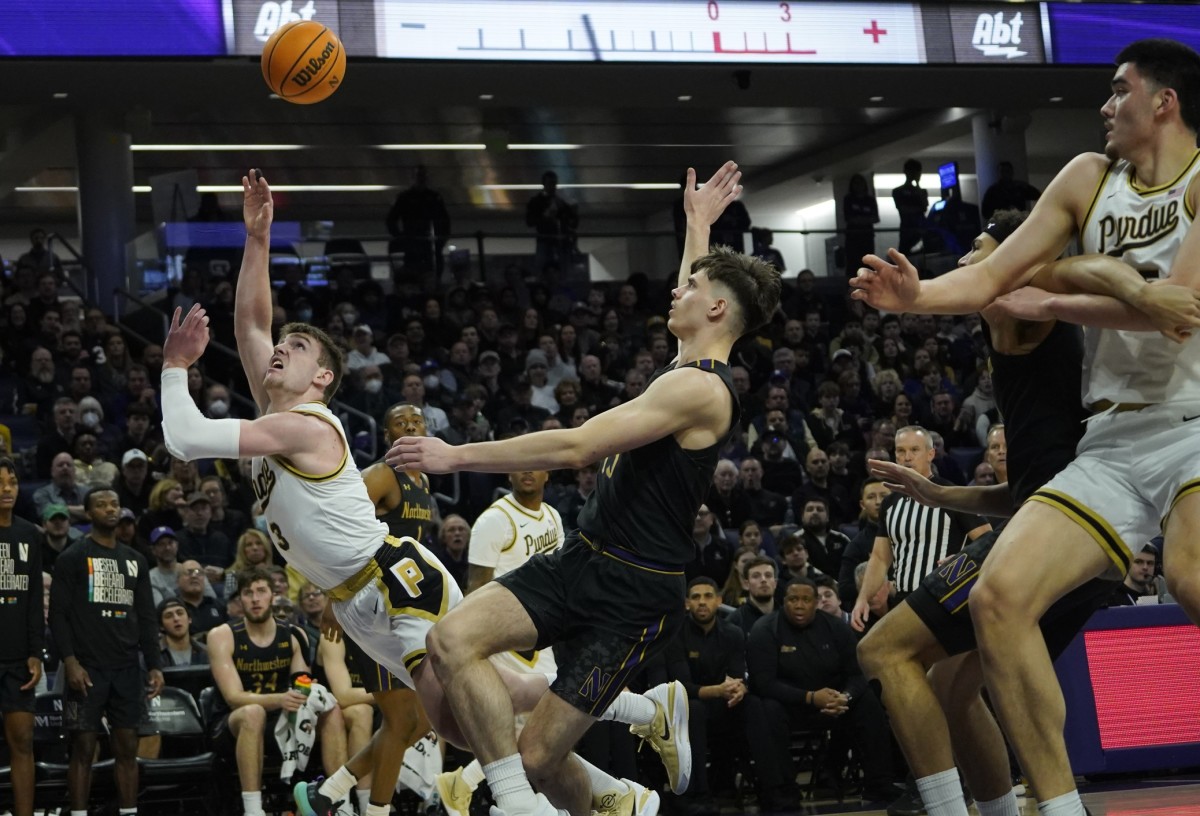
(755,284)
(331,355)
(760,561)
(250,576)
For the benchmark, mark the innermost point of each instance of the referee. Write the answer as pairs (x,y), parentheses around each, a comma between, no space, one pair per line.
(912,538)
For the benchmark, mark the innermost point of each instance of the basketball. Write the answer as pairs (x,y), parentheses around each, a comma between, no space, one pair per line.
(304,62)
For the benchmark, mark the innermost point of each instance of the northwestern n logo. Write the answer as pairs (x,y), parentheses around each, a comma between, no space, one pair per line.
(596,682)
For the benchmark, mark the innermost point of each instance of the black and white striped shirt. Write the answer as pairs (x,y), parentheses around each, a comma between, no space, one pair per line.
(921,536)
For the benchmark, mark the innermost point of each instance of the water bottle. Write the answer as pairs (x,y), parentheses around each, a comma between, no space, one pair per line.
(303,684)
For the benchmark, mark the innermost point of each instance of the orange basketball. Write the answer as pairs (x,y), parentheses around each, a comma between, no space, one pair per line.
(303,62)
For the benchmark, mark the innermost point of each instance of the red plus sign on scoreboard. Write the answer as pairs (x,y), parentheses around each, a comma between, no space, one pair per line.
(875,31)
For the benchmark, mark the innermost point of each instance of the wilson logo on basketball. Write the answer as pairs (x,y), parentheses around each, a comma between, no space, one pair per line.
(307,73)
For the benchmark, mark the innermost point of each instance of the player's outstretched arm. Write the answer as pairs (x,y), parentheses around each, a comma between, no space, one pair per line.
(702,208)
(891,284)
(990,500)
(683,398)
(252,303)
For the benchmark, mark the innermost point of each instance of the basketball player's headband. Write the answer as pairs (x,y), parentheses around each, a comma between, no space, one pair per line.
(1000,231)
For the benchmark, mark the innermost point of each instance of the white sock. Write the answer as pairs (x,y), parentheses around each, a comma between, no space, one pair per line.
(600,781)
(1068,804)
(631,709)
(509,785)
(127,811)
(79,813)
(252,803)
(338,786)
(472,775)
(942,794)
(378,810)
(364,799)
(1006,805)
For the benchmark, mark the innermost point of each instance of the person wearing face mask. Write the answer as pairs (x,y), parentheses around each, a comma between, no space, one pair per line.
(217,402)
(364,351)
(371,396)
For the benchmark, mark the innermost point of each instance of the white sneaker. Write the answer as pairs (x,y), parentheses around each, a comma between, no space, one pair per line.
(668,733)
(636,801)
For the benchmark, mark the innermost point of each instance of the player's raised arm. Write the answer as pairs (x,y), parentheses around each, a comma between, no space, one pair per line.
(252,304)
(703,207)
(892,285)
(190,435)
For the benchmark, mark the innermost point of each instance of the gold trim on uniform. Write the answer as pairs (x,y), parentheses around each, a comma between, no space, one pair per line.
(515,535)
(1096,196)
(1152,190)
(1091,521)
(1186,489)
(413,659)
(312,477)
(350,587)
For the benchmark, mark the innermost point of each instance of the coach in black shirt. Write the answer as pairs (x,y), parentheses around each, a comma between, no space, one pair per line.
(709,658)
(102,617)
(23,625)
(804,666)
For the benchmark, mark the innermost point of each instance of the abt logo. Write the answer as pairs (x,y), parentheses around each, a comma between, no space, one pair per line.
(273,15)
(996,37)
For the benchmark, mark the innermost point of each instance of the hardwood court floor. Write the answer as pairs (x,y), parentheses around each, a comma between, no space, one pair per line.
(1177,796)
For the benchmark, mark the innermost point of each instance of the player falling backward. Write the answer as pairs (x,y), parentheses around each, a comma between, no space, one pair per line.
(385,593)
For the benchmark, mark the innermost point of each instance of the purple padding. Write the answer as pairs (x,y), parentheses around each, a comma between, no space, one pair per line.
(111,28)
(1093,34)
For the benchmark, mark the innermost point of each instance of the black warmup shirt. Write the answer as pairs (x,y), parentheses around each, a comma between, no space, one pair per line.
(697,658)
(102,606)
(646,499)
(413,516)
(1039,397)
(21,609)
(786,663)
(262,669)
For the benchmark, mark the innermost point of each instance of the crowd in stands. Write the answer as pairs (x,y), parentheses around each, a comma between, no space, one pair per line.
(824,385)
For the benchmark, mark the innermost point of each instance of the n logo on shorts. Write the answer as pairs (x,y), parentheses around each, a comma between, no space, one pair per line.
(596,683)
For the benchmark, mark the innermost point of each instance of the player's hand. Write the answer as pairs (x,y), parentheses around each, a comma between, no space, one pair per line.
(330,628)
(1173,309)
(77,677)
(258,209)
(186,340)
(292,700)
(859,616)
(427,454)
(890,286)
(1027,303)
(154,683)
(905,481)
(35,673)
(704,206)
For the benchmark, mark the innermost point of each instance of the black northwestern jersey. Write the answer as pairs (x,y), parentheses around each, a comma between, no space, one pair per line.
(646,499)
(1039,397)
(262,669)
(102,606)
(21,608)
(413,516)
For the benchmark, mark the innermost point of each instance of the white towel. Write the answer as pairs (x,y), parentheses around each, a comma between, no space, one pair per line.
(296,740)
(422,764)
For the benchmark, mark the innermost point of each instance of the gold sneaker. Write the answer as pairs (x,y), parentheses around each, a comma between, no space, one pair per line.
(637,801)
(456,796)
(668,733)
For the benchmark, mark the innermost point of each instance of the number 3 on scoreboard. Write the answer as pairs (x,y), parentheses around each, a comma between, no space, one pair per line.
(409,575)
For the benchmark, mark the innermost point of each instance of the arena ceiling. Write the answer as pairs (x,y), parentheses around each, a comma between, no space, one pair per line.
(632,124)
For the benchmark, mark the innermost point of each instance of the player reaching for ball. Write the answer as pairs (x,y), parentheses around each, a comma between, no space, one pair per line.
(384,592)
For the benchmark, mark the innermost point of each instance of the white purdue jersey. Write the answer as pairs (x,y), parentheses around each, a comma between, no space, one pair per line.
(1144,228)
(504,537)
(324,524)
